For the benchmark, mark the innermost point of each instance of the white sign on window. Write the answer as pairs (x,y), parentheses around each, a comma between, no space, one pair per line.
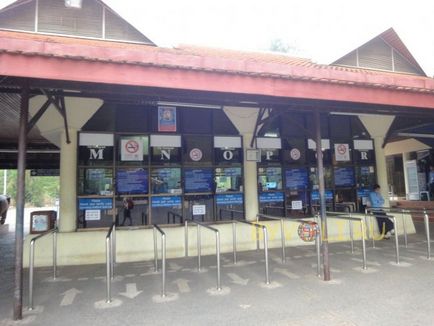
(297,204)
(92,215)
(342,152)
(132,149)
(199,209)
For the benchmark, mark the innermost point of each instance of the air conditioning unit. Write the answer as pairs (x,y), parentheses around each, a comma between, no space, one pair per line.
(73,4)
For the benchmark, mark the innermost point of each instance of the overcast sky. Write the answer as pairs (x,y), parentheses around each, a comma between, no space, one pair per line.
(323,30)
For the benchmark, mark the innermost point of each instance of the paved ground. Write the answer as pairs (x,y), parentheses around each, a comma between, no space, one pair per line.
(385,294)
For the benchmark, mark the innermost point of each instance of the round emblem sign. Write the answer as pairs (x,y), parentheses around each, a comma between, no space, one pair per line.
(307,231)
(295,154)
(342,149)
(196,154)
(132,146)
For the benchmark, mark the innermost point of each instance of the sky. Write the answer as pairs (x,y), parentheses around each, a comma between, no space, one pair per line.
(322,30)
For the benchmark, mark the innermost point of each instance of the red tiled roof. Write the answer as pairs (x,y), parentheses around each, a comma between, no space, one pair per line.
(207,59)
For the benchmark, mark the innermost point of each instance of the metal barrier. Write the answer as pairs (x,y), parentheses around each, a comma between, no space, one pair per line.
(163,257)
(372,211)
(32,261)
(350,219)
(174,217)
(265,233)
(109,250)
(199,247)
(231,211)
(282,235)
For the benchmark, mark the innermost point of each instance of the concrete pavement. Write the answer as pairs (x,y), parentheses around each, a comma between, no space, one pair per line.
(385,294)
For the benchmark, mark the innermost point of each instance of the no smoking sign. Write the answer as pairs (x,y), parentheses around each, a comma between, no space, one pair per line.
(132,146)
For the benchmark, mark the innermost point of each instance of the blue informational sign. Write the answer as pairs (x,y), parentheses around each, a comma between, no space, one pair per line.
(296,179)
(95,203)
(344,177)
(132,181)
(229,199)
(363,192)
(315,195)
(198,180)
(271,197)
(166,201)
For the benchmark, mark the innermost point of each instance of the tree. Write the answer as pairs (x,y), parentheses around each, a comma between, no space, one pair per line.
(278,45)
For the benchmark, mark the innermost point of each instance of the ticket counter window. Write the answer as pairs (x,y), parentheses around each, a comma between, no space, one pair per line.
(166,209)
(95,212)
(345,200)
(166,181)
(315,200)
(198,180)
(313,177)
(365,176)
(269,178)
(199,207)
(132,181)
(228,179)
(132,211)
(272,203)
(95,181)
(297,203)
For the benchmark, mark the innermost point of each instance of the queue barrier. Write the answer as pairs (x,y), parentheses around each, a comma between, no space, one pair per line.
(234,239)
(350,218)
(156,230)
(282,236)
(110,251)
(232,213)
(32,261)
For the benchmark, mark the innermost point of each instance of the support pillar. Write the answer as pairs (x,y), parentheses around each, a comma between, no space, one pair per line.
(19,226)
(68,182)
(381,167)
(251,206)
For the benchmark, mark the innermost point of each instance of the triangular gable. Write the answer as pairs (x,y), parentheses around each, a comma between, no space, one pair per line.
(86,22)
(384,52)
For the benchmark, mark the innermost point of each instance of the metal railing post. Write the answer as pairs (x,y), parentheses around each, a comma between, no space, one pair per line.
(350,223)
(31,267)
(396,239)
(55,253)
(114,244)
(198,247)
(108,269)
(318,251)
(155,250)
(234,241)
(257,239)
(282,235)
(163,265)
(427,233)
(404,227)
(267,276)
(217,244)
(362,229)
(186,237)
(112,273)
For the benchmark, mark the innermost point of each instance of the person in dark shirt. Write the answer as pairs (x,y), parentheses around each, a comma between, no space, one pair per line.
(5,201)
(128,206)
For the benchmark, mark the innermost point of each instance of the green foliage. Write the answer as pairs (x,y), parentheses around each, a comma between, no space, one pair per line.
(39,191)
(278,45)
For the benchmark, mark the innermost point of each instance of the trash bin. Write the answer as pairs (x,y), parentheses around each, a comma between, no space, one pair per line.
(42,221)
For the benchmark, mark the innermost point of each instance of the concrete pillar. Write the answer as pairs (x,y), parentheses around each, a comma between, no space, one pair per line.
(68,182)
(381,168)
(251,207)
